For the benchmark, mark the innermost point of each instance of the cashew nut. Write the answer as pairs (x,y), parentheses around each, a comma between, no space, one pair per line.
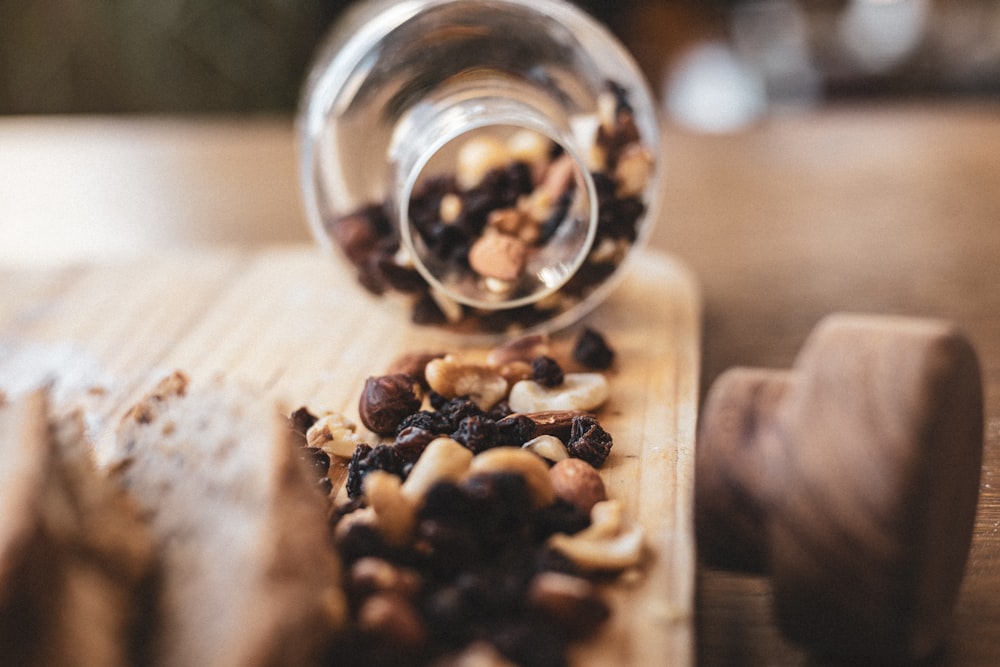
(579,391)
(608,544)
(395,514)
(443,459)
(522,462)
(549,447)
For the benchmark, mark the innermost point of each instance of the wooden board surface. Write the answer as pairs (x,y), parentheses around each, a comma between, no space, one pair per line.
(289,322)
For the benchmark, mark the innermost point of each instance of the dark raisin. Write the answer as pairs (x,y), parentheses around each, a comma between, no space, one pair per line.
(325,485)
(445,547)
(457,409)
(367,458)
(411,442)
(499,411)
(361,540)
(300,422)
(425,311)
(448,502)
(358,233)
(400,278)
(386,400)
(503,505)
(529,641)
(318,460)
(477,433)
(546,371)
(427,420)
(515,430)
(589,441)
(558,517)
(592,350)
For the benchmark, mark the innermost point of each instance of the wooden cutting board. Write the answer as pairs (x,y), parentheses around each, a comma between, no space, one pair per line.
(290,322)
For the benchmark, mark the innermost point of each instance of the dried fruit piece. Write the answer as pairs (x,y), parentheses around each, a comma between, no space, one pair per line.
(386,400)
(592,350)
(589,441)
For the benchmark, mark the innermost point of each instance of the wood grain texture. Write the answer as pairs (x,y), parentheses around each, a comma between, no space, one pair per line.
(293,325)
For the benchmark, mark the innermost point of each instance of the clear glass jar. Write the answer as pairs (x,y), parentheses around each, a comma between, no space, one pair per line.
(490,162)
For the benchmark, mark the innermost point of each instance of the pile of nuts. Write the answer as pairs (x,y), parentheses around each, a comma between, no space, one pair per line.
(473,533)
(506,200)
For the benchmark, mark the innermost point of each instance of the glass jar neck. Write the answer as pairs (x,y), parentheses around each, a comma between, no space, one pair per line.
(468,138)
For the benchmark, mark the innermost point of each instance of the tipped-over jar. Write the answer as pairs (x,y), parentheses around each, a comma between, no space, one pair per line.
(491,164)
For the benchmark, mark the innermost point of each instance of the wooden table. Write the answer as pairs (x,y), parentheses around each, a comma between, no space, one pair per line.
(874,209)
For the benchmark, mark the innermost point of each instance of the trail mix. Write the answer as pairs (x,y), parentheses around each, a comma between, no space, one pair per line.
(505,201)
(473,532)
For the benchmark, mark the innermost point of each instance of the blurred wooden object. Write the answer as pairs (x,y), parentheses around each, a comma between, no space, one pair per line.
(883,209)
(850,480)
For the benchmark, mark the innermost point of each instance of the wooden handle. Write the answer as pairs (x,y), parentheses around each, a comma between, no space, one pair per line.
(852,480)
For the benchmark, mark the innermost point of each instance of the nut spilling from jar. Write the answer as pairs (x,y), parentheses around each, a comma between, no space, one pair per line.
(474,530)
(500,239)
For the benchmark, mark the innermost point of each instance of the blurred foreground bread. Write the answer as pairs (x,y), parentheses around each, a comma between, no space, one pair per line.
(74,557)
(247,576)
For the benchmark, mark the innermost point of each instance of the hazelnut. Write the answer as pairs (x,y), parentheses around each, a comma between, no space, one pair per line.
(392,619)
(370,574)
(500,256)
(571,601)
(577,482)
(386,400)
(413,364)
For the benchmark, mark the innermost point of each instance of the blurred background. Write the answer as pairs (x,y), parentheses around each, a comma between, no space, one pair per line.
(715,64)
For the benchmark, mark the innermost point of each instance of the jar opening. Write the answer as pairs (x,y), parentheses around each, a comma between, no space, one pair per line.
(498,215)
